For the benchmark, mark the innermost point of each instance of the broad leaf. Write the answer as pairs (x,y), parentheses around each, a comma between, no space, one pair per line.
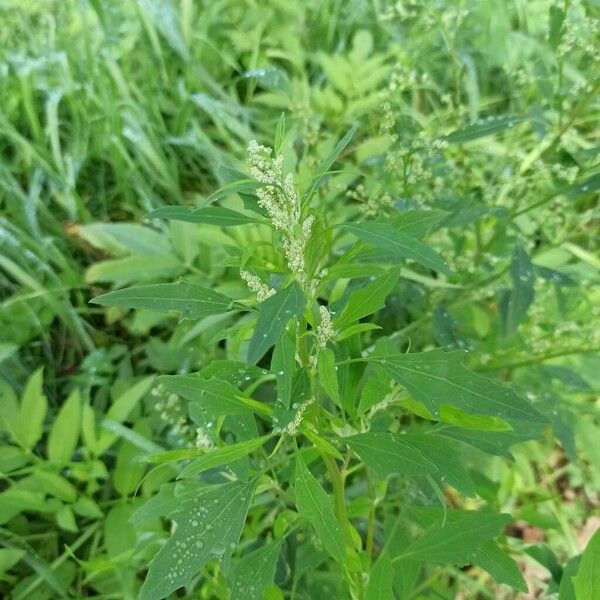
(367,300)
(387,454)
(223,456)
(500,566)
(437,378)
(207,528)
(399,245)
(191,301)
(30,423)
(381,579)
(250,576)
(315,505)
(454,538)
(213,395)
(273,315)
(64,434)
(587,581)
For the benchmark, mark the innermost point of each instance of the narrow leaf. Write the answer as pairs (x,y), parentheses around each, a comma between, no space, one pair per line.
(213,215)
(191,301)
(64,434)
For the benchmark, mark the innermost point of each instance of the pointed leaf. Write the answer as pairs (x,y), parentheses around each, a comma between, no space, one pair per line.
(381,579)
(64,434)
(273,315)
(283,365)
(207,527)
(191,301)
(437,378)
(213,215)
(316,507)
(500,566)
(30,423)
(398,244)
(587,580)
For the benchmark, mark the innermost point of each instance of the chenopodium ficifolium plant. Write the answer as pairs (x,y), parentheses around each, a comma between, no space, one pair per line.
(334,451)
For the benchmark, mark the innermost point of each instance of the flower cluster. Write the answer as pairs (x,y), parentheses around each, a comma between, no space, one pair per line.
(262,290)
(292,427)
(325,330)
(279,198)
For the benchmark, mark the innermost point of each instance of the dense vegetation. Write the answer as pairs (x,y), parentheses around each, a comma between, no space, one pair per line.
(299,299)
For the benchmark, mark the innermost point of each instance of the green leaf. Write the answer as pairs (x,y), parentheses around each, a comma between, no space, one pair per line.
(223,455)
(213,395)
(273,315)
(191,301)
(437,378)
(417,223)
(387,454)
(315,505)
(64,434)
(213,215)
(587,581)
(367,300)
(500,566)
(399,245)
(483,128)
(249,576)
(520,297)
(279,135)
(328,161)
(328,376)
(283,365)
(455,539)
(381,579)
(136,268)
(30,424)
(207,528)
(239,186)
(557,17)
(443,454)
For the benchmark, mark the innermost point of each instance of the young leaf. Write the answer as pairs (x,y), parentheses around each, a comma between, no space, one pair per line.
(315,505)
(191,301)
(387,454)
(207,527)
(521,295)
(367,300)
(30,423)
(483,128)
(283,365)
(437,378)
(399,245)
(500,566)
(250,576)
(213,215)
(273,315)
(212,395)
(587,581)
(223,456)
(455,539)
(381,579)
(64,434)
(328,161)
(328,376)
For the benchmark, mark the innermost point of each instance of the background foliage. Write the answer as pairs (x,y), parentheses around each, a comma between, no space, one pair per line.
(483,113)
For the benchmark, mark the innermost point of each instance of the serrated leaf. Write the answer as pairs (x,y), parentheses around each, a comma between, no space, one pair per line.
(437,378)
(399,245)
(387,454)
(367,300)
(64,434)
(315,505)
(454,540)
(587,581)
(213,395)
(213,215)
(249,576)
(500,566)
(273,315)
(223,455)
(381,579)
(207,527)
(191,301)
(483,128)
